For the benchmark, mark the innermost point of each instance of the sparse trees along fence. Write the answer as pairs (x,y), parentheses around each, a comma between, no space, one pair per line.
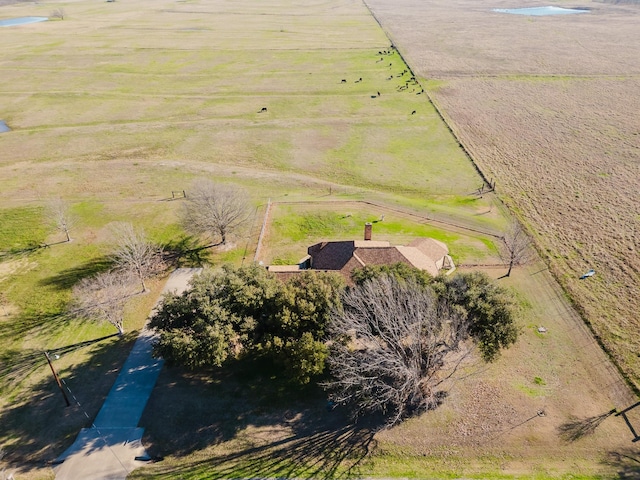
(516,247)
(215,210)
(58,216)
(103,297)
(133,253)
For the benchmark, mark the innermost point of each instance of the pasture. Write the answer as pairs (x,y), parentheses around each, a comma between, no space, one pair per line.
(548,106)
(120,104)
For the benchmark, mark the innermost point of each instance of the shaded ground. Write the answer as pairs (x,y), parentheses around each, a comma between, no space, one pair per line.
(241,422)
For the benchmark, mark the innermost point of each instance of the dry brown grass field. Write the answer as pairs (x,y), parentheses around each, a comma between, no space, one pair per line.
(549,106)
(122,102)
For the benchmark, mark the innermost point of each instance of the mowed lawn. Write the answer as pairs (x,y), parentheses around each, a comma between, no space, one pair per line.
(119,105)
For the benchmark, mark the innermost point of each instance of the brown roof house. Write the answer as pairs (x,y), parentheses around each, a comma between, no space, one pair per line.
(345,256)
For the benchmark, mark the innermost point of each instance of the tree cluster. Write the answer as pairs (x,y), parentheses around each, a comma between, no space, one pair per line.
(401,333)
(211,210)
(390,340)
(233,313)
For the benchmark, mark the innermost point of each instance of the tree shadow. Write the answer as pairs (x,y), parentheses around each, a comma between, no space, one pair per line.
(188,251)
(333,453)
(32,322)
(40,427)
(296,435)
(576,428)
(627,463)
(19,364)
(67,278)
(22,252)
(28,250)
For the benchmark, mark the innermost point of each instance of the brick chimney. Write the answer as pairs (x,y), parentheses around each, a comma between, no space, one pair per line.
(367,230)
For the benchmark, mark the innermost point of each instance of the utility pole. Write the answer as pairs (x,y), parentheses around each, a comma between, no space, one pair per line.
(55,375)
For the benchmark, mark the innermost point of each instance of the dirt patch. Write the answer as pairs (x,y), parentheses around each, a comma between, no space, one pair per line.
(12,267)
(7,310)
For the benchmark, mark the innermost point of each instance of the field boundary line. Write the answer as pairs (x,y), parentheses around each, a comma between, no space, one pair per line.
(553,269)
(262,230)
(425,218)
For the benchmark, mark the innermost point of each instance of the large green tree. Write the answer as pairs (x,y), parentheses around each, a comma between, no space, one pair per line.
(244,311)
(490,310)
(295,332)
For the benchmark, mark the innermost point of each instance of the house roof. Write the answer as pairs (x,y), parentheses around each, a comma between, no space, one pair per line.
(345,256)
(379,255)
(432,248)
(331,255)
(418,259)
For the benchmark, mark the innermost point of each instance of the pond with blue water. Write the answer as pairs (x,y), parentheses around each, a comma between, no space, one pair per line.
(12,22)
(541,11)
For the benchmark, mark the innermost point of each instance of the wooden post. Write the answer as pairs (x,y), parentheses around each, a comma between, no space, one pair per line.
(55,375)
(628,408)
(623,413)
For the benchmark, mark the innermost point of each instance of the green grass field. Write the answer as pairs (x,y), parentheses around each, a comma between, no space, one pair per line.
(120,104)
(294,227)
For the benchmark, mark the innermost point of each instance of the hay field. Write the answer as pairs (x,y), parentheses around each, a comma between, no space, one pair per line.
(550,107)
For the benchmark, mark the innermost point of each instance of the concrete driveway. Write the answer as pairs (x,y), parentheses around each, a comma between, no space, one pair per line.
(112,447)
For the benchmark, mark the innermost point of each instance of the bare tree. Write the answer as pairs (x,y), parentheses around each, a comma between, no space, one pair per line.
(58,13)
(103,297)
(214,209)
(58,214)
(393,345)
(516,247)
(134,253)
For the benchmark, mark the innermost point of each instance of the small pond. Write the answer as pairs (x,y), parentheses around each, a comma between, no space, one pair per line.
(541,11)
(12,22)
(4,127)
